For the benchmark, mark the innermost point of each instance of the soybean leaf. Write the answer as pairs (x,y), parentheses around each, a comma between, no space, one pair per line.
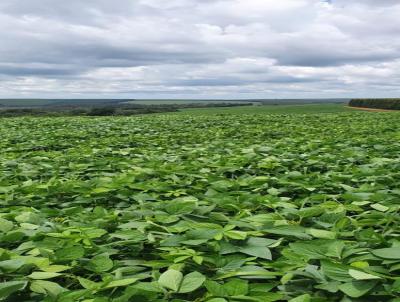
(387,253)
(191,282)
(43,275)
(47,288)
(70,253)
(100,263)
(171,279)
(10,287)
(356,289)
(236,287)
(359,275)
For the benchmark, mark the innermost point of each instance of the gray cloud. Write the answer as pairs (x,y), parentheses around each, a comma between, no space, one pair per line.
(227,48)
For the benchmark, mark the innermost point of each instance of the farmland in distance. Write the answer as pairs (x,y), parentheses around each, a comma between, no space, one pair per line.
(258,203)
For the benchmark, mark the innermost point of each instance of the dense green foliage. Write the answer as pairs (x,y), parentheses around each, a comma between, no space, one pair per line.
(390,104)
(108,110)
(83,111)
(42,103)
(217,208)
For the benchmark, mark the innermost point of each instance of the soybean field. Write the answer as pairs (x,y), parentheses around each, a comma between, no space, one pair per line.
(225,207)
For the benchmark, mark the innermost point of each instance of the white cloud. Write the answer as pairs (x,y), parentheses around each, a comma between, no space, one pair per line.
(181,48)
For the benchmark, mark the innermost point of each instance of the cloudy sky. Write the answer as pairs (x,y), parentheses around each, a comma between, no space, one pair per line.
(199,48)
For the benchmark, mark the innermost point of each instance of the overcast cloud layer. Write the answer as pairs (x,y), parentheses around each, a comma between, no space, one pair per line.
(199,49)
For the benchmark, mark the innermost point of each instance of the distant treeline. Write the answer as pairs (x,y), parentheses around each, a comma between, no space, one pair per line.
(390,104)
(40,103)
(109,110)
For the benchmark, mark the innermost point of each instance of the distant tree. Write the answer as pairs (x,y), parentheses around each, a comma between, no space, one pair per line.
(79,111)
(391,104)
(102,111)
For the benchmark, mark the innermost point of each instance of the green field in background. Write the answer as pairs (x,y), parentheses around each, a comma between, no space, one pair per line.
(271,109)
